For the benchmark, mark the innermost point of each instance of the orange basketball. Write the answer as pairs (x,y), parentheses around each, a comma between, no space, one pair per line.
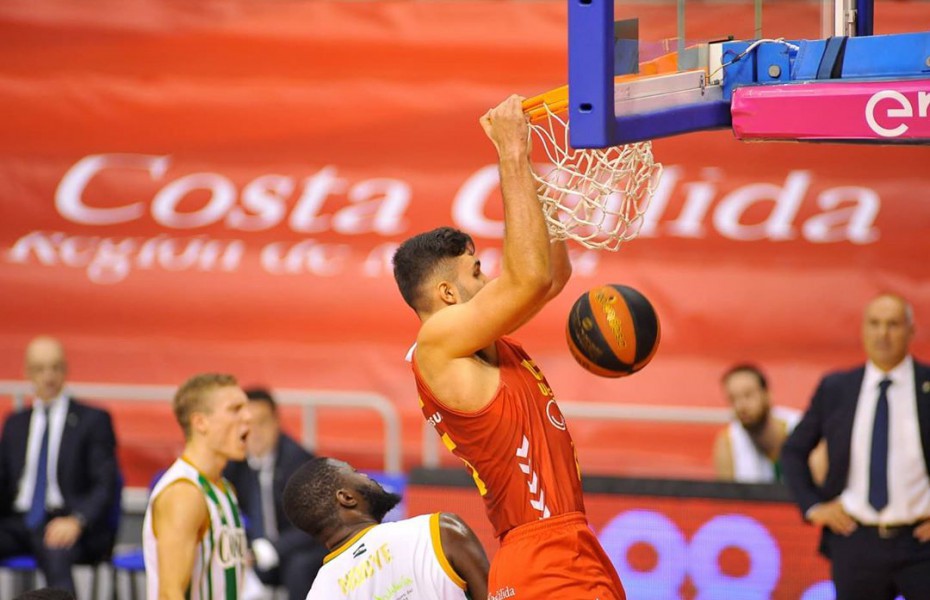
(613,330)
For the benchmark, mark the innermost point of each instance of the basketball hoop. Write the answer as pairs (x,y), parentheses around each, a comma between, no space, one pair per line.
(595,196)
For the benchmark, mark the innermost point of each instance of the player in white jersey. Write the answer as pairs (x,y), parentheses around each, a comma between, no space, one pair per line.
(748,449)
(193,538)
(429,557)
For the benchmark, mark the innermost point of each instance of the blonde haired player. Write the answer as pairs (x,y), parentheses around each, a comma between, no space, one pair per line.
(193,538)
(486,397)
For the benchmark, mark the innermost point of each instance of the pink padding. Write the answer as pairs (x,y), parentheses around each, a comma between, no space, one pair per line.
(880,111)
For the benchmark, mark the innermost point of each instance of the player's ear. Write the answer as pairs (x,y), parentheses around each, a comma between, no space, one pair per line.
(346,498)
(198,422)
(447,292)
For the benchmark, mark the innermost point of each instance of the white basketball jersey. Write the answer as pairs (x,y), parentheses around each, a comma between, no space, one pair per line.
(219,566)
(402,560)
(750,465)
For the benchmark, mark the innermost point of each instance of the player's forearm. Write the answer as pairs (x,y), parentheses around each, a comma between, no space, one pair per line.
(526,240)
(561,267)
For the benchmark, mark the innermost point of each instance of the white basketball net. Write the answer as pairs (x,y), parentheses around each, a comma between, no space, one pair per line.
(596,197)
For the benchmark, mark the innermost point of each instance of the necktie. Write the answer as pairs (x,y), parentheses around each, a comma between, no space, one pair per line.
(878,461)
(266,479)
(257,518)
(35,518)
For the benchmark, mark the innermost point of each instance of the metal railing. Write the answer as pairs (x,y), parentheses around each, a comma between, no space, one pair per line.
(308,400)
(603,412)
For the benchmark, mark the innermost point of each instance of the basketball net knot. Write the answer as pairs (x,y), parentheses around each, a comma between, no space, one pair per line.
(597,196)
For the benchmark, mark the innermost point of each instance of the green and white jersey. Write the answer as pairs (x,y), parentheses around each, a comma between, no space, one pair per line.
(403,560)
(219,566)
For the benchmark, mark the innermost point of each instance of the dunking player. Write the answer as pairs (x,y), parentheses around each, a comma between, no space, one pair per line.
(486,397)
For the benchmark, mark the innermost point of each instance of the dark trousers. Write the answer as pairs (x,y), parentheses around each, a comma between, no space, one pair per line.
(295,572)
(55,564)
(870,566)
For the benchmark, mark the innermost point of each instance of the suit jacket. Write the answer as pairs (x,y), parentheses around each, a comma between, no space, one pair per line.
(87,471)
(830,415)
(289,457)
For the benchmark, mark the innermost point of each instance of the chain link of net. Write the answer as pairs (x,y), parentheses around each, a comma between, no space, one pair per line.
(597,197)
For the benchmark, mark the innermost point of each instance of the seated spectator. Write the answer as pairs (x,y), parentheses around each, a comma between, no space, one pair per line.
(59,477)
(284,555)
(748,449)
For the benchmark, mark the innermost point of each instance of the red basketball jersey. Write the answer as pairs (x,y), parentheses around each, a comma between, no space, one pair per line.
(517,448)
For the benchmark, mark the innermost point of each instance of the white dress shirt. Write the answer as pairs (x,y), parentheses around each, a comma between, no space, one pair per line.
(908,484)
(57,415)
(264,467)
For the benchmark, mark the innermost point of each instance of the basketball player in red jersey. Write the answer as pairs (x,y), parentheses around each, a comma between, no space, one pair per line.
(486,397)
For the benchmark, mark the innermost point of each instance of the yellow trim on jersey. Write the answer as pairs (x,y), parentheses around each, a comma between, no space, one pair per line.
(441,554)
(345,545)
(222,484)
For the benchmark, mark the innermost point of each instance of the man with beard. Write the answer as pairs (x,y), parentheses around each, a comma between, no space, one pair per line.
(429,557)
(749,448)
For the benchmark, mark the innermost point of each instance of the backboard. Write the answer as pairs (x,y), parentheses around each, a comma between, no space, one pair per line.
(786,70)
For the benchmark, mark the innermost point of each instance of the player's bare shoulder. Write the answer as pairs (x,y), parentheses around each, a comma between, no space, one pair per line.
(466,383)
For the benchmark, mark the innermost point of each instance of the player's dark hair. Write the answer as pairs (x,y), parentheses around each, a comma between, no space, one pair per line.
(310,496)
(261,394)
(746,368)
(418,258)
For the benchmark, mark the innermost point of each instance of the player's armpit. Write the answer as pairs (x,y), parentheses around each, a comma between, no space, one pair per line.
(465,553)
(179,518)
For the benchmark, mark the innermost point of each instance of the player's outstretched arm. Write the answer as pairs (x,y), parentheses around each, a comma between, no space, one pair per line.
(179,517)
(526,276)
(465,554)
(561,273)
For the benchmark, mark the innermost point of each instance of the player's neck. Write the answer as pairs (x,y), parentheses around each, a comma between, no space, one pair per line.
(341,535)
(205,460)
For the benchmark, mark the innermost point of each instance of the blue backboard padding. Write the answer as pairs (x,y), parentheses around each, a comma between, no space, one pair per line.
(670,121)
(880,56)
(590,72)
(740,72)
(899,55)
(769,55)
(808,60)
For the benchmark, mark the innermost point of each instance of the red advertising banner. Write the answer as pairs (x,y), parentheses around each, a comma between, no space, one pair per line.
(220,185)
(680,547)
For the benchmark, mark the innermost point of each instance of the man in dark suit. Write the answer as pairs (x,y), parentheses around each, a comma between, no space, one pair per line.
(284,555)
(59,478)
(874,505)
